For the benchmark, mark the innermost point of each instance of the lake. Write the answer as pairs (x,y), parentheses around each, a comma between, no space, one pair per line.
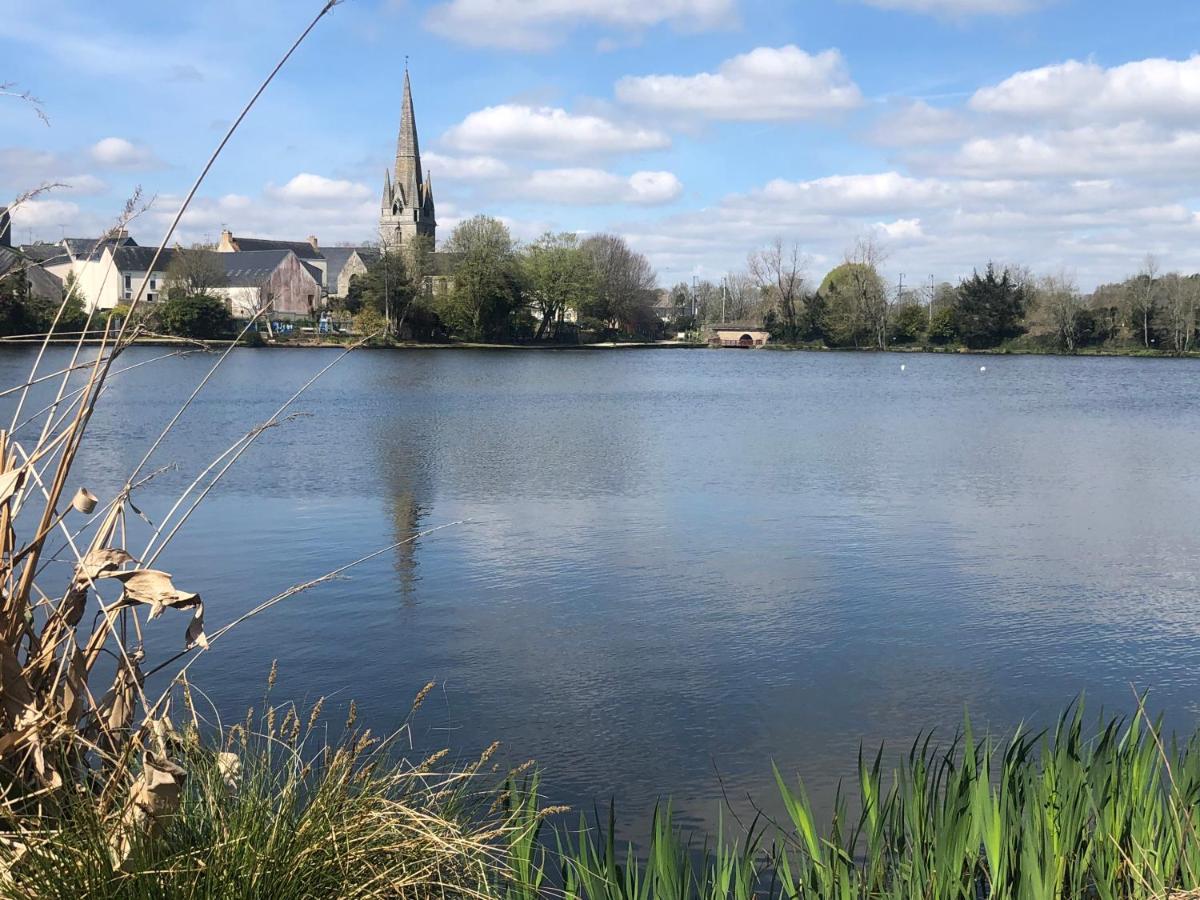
(680,566)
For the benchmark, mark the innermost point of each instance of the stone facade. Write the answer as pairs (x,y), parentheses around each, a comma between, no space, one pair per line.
(406,210)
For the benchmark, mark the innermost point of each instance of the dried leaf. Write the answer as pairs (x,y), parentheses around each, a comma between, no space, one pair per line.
(74,686)
(101,563)
(16,696)
(11,481)
(153,800)
(155,588)
(114,713)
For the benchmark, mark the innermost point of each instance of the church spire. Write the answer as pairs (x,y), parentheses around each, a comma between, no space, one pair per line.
(408,154)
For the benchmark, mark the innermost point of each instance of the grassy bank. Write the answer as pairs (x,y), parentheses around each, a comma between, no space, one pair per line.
(276,812)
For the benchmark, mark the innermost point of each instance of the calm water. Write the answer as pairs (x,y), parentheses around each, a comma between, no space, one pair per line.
(689,562)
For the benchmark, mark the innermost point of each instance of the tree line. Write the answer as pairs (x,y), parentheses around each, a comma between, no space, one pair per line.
(997,306)
(485,286)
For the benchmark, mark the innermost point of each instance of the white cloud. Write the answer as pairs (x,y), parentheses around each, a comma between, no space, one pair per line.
(865,194)
(465,168)
(540,24)
(118,153)
(901,230)
(307,189)
(598,187)
(1162,90)
(958,8)
(766,83)
(915,122)
(548,132)
(1093,151)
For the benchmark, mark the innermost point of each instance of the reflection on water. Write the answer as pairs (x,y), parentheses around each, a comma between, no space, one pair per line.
(683,563)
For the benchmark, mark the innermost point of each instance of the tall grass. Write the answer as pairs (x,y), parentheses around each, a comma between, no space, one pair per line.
(1064,814)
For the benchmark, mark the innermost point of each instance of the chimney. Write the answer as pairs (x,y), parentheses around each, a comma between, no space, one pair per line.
(226,245)
(5,227)
(312,239)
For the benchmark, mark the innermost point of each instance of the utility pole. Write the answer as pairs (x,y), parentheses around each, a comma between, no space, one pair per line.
(695,279)
(932,294)
(900,290)
(724,285)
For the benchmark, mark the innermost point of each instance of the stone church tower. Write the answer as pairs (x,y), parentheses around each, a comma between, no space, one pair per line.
(407,208)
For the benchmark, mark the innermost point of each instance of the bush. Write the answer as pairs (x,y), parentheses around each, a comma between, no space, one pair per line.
(908,324)
(943,330)
(197,316)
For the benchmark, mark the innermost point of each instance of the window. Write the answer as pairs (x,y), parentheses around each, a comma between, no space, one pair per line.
(150,298)
(153,284)
(128,282)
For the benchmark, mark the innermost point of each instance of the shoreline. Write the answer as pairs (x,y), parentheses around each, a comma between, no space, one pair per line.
(198,344)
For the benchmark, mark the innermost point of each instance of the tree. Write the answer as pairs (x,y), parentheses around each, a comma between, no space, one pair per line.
(779,273)
(1180,296)
(386,288)
(942,327)
(908,323)
(486,280)
(1059,299)
(193,272)
(989,308)
(625,285)
(558,275)
(844,322)
(1142,297)
(871,297)
(195,316)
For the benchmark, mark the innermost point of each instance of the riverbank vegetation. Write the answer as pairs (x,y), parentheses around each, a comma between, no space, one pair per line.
(272,808)
(997,307)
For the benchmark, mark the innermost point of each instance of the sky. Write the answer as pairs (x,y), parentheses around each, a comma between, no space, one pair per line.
(1062,135)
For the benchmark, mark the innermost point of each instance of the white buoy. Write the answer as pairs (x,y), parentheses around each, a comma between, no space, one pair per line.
(902,367)
(983,368)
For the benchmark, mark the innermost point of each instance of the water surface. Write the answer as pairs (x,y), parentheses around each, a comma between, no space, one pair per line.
(685,563)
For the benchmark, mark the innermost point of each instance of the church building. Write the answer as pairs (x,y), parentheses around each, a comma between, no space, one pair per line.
(406,211)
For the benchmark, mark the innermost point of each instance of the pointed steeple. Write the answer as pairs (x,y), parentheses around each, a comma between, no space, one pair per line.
(408,153)
(386,203)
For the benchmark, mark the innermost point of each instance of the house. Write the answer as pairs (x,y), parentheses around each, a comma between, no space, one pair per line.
(345,263)
(280,278)
(110,272)
(308,250)
(15,263)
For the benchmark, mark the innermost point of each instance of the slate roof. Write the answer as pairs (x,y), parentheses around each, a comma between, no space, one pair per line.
(81,248)
(302,249)
(41,282)
(250,268)
(44,253)
(137,259)
(337,257)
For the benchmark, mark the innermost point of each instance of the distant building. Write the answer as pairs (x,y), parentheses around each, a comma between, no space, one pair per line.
(345,263)
(291,286)
(406,210)
(308,250)
(110,272)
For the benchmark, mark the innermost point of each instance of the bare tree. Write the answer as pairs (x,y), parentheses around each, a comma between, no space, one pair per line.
(779,272)
(1142,298)
(1059,298)
(1179,298)
(625,282)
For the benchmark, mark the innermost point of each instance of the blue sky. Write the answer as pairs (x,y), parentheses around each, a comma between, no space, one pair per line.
(1059,134)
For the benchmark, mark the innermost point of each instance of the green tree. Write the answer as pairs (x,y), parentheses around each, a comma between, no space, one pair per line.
(487,287)
(625,285)
(908,323)
(195,316)
(558,275)
(989,308)
(846,322)
(942,326)
(386,288)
